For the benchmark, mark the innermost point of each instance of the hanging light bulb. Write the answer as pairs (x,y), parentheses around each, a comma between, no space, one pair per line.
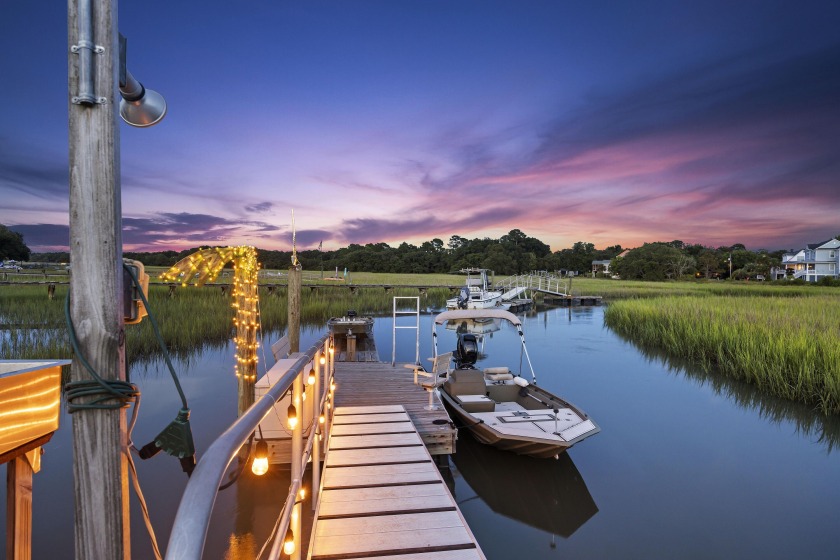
(303,396)
(311,379)
(260,464)
(332,386)
(289,542)
(323,359)
(321,419)
(291,414)
(302,493)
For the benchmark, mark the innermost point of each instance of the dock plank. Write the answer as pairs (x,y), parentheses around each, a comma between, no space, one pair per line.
(359,429)
(376,440)
(343,457)
(464,554)
(369,418)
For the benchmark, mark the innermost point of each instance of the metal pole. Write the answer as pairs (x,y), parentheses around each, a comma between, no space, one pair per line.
(317,405)
(99,436)
(297,458)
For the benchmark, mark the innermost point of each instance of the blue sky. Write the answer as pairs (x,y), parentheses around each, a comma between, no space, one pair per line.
(403,120)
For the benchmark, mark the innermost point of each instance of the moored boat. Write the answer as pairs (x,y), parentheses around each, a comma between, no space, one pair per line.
(351,324)
(477,292)
(501,408)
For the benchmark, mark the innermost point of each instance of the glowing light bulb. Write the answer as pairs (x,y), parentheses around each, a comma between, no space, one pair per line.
(289,542)
(260,465)
(302,493)
(311,379)
(291,414)
(323,359)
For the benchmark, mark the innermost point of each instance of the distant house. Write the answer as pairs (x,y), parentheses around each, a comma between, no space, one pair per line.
(815,261)
(600,266)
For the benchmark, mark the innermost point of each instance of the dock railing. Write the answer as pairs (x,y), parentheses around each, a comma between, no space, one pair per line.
(189,532)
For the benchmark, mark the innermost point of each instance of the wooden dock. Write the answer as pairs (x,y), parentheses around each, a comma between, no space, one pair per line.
(377,383)
(382,495)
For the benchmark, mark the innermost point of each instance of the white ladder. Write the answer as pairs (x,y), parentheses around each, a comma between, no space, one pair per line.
(415,326)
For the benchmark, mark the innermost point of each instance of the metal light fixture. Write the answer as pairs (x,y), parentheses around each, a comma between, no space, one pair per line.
(260,464)
(139,106)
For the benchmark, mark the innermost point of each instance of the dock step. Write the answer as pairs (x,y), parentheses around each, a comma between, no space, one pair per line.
(382,495)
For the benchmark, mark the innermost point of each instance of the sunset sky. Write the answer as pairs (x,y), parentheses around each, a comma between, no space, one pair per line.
(713,122)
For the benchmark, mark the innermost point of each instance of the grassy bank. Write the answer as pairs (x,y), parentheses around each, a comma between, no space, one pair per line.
(786,346)
(33,326)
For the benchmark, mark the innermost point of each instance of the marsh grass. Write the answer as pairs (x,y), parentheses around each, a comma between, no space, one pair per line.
(33,326)
(786,346)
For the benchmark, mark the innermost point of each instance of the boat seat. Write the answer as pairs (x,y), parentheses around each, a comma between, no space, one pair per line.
(440,368)
(476,403)
(497,374)
(466,382)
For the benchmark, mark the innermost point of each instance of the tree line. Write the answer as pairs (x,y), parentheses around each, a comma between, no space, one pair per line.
(512,253)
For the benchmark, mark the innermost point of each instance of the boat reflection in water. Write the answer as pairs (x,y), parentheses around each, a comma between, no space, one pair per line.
(549,495)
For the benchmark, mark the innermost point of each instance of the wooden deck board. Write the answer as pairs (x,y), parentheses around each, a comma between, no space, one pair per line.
(377,440)
(359,429)
(380,384)
(466,554)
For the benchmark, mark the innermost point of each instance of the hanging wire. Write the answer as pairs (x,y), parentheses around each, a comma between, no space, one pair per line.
(159,337)
(98,389)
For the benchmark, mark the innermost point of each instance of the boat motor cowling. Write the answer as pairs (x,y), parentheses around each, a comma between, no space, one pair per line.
(466,352)
(463,297)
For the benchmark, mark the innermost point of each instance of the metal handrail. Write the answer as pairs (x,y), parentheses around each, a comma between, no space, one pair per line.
(189,532)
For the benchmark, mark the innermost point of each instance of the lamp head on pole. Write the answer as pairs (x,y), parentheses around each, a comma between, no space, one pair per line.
(139,106)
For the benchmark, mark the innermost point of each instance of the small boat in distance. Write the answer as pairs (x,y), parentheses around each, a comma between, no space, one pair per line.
(477,293)
(351,324)
(499,407)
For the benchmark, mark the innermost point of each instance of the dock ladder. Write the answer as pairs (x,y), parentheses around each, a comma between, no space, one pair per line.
(415,326)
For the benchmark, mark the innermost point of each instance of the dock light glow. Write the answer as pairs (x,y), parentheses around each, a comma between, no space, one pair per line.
(205,266)
(260,464)
(311,379)
(323,359)
(291,415)
(289,542)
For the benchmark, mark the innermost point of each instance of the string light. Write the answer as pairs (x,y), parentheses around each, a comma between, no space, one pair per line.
(323,359)
(260,464)
(205,266)
(291,415)
(289,542)
(311,379)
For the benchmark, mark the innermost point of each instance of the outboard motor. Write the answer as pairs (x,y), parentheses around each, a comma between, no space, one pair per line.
(466,353)
(463,297)
(351,313)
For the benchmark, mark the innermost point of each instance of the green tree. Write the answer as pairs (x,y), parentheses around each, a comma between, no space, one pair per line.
(652,261)
(12,246)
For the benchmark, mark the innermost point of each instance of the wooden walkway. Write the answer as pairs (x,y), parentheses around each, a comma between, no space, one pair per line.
(377,383)
(382,495)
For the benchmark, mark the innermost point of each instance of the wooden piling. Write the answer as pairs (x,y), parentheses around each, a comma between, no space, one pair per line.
(99,436)
(294,308)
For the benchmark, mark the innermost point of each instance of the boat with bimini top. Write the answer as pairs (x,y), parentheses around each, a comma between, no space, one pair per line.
(497,405)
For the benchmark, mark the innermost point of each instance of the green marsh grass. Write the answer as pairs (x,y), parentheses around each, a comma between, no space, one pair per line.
(33,326)
(786,346)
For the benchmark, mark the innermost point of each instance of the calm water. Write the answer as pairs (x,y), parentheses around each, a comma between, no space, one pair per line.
(686,465)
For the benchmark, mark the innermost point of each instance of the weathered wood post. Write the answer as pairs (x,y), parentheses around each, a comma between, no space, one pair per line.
(294,308)
(19,508)
(100,471)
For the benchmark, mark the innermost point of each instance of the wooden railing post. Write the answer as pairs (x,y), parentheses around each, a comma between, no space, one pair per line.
(294,309)
(316,415)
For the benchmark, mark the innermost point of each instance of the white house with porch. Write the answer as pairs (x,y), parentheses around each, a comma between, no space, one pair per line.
(815,261)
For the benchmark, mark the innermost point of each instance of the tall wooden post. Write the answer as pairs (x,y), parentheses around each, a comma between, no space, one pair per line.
(19,508)
(99,437)
(294,309)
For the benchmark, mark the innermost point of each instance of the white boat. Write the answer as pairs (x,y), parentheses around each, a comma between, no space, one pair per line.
(497,405)
(477,293)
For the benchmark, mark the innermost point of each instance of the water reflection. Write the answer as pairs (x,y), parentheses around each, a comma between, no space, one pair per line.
(807,422)
(549,495)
